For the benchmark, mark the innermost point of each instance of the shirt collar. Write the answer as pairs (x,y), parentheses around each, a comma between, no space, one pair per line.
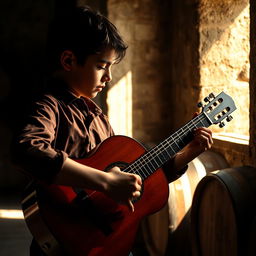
(93,107)
(61,90)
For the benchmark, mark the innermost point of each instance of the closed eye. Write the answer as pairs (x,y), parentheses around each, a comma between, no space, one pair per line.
(101,68)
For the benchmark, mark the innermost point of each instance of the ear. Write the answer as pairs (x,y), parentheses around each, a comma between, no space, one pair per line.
(67,60)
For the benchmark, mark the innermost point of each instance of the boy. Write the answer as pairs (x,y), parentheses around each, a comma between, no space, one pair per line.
(65,124)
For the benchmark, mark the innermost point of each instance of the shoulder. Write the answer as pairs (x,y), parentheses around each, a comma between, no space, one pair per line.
(45,101)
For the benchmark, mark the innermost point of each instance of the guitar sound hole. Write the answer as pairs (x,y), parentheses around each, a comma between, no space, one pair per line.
(121,165)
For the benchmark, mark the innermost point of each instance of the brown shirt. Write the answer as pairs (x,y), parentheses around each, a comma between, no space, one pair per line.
(59,125)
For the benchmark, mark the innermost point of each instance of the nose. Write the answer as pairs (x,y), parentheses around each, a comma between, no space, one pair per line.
(107,76)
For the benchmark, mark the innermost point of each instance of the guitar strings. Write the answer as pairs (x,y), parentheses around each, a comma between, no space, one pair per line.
(150,156)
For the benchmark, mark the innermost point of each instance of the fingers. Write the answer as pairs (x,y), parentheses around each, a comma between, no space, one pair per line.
(195,114)
(130,205)
(137,185)
(204,137)
(124,187)
(136,194)
(136,191)
(137,179)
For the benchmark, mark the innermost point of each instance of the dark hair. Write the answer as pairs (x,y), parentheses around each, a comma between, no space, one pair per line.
(84,32)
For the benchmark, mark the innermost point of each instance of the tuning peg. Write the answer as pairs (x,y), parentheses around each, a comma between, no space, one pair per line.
(200,104)
(212,95)
(207,99)
(222,124)
(229,118)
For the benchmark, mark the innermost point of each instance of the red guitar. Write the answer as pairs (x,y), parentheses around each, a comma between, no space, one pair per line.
(86,222)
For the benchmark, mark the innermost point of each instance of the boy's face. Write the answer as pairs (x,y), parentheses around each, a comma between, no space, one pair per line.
(89,79)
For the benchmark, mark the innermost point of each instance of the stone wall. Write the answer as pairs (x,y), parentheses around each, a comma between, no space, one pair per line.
(178,53)
(224,56)
(160,58)
(253,82)
(224,66)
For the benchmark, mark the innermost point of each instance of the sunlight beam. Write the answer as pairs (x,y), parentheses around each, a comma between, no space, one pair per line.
(11,214)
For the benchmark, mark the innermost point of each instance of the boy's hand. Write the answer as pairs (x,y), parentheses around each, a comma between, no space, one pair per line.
(123,187)
(202,139)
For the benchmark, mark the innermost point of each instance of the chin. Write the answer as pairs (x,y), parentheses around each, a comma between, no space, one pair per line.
(92,96)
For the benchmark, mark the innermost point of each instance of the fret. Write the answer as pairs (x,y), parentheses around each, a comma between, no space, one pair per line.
(170,149)
(147,167)
(151,166)
(180,138)
(200,124)
(205,122)
(154,162)
(146,171)
(164,156)
(158,159)
(175,147)
(142,173)
(187,137)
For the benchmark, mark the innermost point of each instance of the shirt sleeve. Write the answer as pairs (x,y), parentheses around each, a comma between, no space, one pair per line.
(33,146)
(170,174)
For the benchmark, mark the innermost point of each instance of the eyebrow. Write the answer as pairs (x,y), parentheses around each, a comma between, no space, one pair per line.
(107,62)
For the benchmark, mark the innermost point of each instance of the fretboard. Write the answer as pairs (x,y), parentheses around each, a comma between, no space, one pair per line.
(152,160)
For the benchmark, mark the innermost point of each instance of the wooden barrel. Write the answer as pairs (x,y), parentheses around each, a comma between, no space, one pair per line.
(182,190)
(180,200)
(163,229)
(222,212)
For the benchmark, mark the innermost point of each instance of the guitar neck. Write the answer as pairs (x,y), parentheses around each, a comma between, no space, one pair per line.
(148,163)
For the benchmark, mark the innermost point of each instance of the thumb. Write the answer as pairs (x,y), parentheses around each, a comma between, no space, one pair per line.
(195,114)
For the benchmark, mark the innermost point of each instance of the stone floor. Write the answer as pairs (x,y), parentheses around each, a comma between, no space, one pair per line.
(14,235)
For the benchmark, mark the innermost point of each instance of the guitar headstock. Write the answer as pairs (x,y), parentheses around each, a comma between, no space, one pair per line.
(218,108)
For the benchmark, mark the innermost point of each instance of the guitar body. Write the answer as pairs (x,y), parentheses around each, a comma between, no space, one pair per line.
(90,223)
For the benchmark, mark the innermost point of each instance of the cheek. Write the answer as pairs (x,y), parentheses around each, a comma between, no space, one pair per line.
(93,75)
(87,78)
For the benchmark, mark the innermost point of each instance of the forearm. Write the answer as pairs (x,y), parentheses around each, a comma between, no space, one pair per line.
(202,141)
(79,175)
(118,185)
(186,155)
(178,165)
